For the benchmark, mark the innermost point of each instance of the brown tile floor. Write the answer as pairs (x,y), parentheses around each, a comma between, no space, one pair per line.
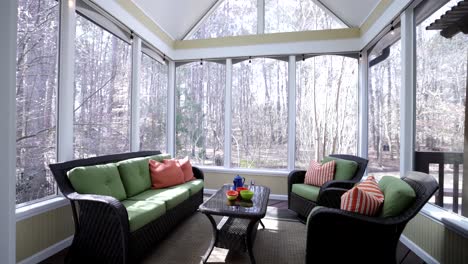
(404,255)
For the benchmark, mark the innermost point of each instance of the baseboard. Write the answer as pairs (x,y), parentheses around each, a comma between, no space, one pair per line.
(418,251)
(281,197)
(48,252)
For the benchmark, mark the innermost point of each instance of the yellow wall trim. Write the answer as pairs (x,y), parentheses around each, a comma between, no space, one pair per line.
(376,13)
(39,232)
(285,37)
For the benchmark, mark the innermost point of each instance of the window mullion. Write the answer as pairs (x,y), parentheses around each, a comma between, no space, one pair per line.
(260,16)
(66,86)
(171,116)
(291,112)
(228,115)
(134,95)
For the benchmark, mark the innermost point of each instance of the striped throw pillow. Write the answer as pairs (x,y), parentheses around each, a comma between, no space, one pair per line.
(371,186)
(317,174)
(365,198)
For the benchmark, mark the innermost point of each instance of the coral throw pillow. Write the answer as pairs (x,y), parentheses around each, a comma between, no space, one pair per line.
(318,174)
(365,198)
(186,167)
(165,174)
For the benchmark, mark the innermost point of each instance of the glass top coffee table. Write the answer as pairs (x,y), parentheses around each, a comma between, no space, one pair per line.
(237,230)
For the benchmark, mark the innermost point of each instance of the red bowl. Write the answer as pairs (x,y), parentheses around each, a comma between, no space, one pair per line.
(231,195)
(241,189)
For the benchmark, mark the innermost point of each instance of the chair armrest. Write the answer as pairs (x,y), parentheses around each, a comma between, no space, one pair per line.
(338,184)
(330,197)
(295,176)
(102,226)
(198,173)
(328,227)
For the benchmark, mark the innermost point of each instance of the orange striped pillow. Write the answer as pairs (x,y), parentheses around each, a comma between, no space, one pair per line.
(365,198)
(371,186)
(318,174)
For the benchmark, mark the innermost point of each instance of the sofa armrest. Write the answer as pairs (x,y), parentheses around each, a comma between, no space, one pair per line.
(198,173)
(102,227)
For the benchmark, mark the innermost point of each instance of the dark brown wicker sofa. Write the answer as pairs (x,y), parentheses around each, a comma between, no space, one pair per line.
(103,231)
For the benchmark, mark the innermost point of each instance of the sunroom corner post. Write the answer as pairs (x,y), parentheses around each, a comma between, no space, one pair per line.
(8,27)
(66,79)
(408,91)
(363,102)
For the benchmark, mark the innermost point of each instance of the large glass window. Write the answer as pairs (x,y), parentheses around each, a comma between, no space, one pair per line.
(297,15)
(36,95)
(231,18)
(440,107)
(384,107)
(153,104)
(326,108)
(200,112)
(259,114)
(102,85)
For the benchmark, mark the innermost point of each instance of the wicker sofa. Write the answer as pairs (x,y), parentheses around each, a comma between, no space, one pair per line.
(116,227)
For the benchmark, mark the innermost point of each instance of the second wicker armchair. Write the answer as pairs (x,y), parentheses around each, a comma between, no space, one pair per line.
(304,198)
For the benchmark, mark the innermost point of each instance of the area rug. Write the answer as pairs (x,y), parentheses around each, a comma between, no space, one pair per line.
(282,241)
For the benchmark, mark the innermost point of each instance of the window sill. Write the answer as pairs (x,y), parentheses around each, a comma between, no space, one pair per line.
(260,172)
(40,207)
(452,221)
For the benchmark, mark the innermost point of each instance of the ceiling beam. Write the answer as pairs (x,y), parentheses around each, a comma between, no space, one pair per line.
(331,13)
(202,19)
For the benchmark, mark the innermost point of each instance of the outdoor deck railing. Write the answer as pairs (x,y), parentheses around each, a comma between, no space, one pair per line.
(422,163)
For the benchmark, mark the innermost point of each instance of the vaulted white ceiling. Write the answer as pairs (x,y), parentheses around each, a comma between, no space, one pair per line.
(353,12)
(177,17)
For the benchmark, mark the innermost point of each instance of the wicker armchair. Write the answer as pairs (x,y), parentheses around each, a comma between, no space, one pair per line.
(102,233)
(345,237)
(303,206)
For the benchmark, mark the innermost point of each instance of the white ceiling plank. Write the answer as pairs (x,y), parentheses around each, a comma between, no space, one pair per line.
(353,12)
(175,17)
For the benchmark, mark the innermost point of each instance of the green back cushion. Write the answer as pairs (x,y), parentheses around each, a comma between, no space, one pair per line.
(398,196)
(135,175)
(160,157)
(99,179)
(345,169)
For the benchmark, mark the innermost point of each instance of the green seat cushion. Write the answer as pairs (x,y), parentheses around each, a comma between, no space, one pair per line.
(160,157)
(171,196)
(398,196)
(99,179)
(141,213)
(345,169)
(135,175)
(306,191)
(192,186)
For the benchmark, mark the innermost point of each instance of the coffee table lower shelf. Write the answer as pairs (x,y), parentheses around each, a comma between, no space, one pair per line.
(234,233)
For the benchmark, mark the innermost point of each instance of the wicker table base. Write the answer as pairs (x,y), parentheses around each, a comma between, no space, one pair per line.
(238,228)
